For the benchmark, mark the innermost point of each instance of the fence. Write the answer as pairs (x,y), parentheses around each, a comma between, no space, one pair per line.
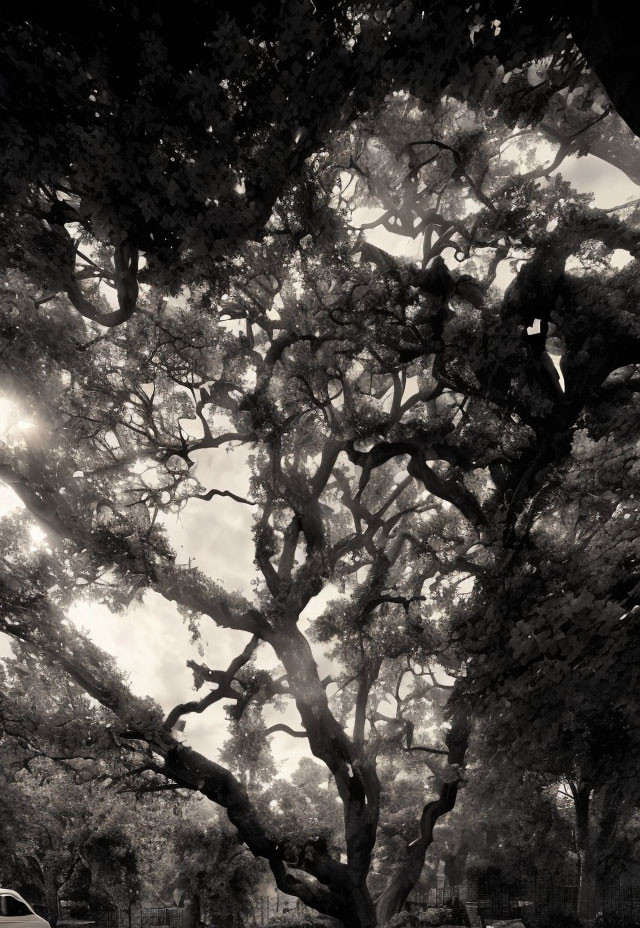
(266,908)
(621,899)
(533,893)
(495,896)
(121,918)
(111,918)
(160,918)
(437,896)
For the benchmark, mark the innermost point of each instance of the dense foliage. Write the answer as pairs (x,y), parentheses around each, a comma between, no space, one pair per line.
(443,449)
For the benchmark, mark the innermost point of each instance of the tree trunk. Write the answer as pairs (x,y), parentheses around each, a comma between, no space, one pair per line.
(363,909)
(404,880)
(192,914)
(455,865)
(587,887)
(586,853)
(51,897)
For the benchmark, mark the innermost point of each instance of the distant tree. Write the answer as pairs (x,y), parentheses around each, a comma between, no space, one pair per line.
(68,830)
(72,830)
(63,841)
(216,871)
(562,680)
(112,858)
(50,742)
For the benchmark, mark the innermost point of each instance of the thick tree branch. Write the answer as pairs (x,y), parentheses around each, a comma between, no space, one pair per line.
(280,726)
(223,691)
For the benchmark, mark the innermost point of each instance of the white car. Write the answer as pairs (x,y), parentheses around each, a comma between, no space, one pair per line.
(15,912)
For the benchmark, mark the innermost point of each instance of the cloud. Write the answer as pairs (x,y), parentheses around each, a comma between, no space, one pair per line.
(152,646)
(589,174)
(216,535)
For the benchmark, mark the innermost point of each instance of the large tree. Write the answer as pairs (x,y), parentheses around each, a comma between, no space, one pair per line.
(407,423)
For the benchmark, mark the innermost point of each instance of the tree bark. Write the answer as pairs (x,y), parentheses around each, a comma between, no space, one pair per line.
(586,852)
(587,886)
(405,878)
(352,769)
(455,864)
(51,897)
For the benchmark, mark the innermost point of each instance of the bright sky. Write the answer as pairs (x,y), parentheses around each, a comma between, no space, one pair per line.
(150,641)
